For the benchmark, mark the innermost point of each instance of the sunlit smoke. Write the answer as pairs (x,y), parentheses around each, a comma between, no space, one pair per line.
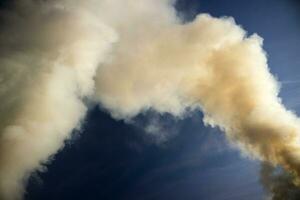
(49,55)
(131,56)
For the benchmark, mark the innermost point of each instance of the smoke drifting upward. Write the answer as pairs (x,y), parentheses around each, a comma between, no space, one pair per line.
(49,55)
(130,56)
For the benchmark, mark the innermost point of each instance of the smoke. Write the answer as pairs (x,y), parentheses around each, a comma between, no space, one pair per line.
(131,56)
(49,55)
(279,184)
(210,64)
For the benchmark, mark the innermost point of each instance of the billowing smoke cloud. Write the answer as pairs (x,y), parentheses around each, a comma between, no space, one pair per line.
(209,64)
(130,56)
(49,55)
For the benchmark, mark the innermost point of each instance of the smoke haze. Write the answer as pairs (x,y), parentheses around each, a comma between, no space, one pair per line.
(129,57)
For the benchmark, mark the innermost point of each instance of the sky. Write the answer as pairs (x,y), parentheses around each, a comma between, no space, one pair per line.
(182,159)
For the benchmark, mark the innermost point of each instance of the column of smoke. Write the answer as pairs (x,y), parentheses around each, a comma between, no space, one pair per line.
(49,55)
(130,56)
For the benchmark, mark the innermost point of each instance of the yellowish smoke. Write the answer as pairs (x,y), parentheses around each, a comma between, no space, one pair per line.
(48,59)
(209,64)
(130,56)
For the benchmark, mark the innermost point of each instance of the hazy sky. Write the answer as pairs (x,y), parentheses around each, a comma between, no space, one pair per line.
(113,160)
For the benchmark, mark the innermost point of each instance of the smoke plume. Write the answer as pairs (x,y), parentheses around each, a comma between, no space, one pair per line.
(130,56)
(49,55)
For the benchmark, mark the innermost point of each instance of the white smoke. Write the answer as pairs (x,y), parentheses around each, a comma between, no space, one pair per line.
(141,56)
(49,56)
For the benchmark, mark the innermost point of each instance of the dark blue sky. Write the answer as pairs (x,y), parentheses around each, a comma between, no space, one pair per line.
(111,160)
